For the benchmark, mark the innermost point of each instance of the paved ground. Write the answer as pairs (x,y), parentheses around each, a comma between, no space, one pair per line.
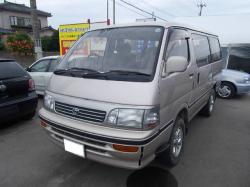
(217,153)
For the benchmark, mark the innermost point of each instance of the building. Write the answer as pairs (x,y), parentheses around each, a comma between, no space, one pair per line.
(17,17)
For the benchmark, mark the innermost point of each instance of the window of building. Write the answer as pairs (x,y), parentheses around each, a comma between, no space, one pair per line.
(20,21)
(13,20)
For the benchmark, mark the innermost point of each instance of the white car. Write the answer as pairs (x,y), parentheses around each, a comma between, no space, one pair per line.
(41,71)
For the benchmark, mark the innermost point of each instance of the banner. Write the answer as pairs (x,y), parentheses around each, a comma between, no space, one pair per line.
(69,33)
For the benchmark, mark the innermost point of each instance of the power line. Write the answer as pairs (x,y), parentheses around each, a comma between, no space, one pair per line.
(144,11)
(130,9)
(158,9)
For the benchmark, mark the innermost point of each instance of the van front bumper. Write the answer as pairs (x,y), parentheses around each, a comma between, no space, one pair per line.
(100,148)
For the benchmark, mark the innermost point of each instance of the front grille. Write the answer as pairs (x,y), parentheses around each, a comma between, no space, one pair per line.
(81,113)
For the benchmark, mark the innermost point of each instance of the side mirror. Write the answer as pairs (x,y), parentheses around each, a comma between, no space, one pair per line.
(28,69)
(176,64)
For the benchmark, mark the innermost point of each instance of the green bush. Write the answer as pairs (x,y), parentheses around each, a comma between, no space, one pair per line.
(51,43)
(20,42)
(1,45)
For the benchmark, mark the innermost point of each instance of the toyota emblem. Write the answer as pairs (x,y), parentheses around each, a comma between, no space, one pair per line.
(75,111)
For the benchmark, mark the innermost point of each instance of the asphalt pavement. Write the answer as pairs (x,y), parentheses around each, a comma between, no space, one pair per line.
(217,153)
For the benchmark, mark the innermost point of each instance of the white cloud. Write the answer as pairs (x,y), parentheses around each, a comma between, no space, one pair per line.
(65,11)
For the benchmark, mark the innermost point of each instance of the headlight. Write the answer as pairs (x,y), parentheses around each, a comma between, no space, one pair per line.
(49,102)
(134,118)
(247,80)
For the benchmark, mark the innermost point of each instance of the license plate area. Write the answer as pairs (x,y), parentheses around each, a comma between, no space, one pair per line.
(75,148)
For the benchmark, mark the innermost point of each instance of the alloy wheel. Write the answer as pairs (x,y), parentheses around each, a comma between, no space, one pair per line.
(177,142)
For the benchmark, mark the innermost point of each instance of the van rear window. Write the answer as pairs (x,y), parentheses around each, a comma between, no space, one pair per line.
(215,49)
(201,49)
(10,70)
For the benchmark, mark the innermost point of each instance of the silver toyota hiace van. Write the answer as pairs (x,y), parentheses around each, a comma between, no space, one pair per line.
(124,95)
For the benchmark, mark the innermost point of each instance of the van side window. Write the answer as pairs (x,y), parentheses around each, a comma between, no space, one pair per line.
(201,49)
(178,44)
(215,49)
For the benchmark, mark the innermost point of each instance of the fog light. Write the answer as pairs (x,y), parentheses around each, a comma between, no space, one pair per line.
(43,124)
(127,149)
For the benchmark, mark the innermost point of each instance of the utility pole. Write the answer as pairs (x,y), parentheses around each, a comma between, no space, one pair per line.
(35,29)
(107,10)
(108,20)
(200,6)
(153,14)
(114,12)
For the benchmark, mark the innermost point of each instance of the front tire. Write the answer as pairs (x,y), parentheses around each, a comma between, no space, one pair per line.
(226,90)
(172,155)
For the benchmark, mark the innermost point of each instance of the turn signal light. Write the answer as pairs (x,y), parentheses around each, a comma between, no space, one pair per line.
(43,124)
(127,149)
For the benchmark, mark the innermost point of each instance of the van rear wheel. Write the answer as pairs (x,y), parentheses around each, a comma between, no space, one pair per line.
(172,155)
(209,107)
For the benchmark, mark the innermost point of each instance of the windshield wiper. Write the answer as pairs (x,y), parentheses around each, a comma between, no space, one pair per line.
(125,72)
(72,70)
(62,71)
(95,75)
(82,69)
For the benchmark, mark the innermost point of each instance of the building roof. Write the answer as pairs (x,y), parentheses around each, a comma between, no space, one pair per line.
(22,8)
(49,28)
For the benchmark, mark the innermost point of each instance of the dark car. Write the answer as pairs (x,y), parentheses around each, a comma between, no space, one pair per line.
(17,92)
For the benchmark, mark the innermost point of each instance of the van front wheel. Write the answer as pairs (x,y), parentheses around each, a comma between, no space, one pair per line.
(172,155)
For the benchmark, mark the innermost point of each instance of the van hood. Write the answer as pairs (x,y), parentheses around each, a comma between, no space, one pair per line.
(120,92)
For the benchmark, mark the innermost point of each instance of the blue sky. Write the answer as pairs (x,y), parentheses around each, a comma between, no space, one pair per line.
(74,11)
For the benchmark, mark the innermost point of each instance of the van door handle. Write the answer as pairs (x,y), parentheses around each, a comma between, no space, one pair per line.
(198,78)
(191,75)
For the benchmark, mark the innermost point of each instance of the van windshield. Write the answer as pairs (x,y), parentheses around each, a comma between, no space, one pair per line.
(124,54)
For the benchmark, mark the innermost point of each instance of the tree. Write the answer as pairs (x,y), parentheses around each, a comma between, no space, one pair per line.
(1,45)
(51,43)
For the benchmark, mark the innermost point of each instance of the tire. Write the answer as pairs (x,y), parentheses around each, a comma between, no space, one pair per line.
(209,107)
(29,116)
(172,155)
(226,90)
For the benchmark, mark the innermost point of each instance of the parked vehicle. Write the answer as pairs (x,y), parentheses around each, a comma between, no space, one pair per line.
(235,78)
(42,70)
(17,92)
(125,94)
(233,83)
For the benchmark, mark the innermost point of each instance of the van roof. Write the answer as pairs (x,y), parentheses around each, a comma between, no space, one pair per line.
(157,23)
